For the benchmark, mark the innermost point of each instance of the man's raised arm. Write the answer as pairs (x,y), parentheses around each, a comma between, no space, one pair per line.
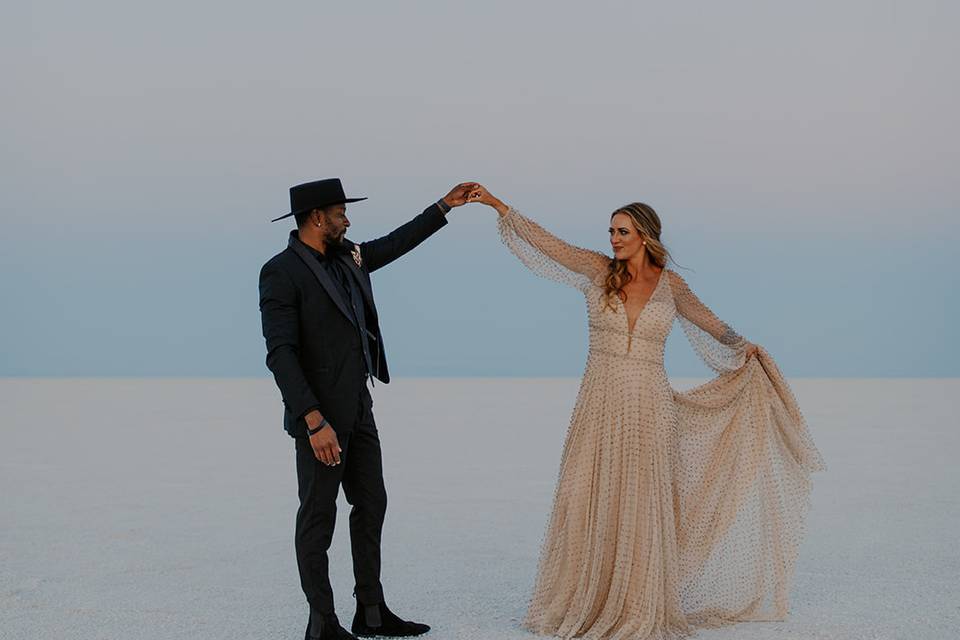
(382,251)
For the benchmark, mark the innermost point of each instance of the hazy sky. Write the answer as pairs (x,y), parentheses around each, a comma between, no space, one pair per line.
(803,157)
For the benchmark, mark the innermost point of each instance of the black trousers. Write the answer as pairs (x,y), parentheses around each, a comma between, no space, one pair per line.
(361,473)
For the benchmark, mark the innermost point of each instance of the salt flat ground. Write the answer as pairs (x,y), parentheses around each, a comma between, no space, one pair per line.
(164,509)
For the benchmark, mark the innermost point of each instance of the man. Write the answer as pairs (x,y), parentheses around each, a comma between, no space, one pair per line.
(323,342)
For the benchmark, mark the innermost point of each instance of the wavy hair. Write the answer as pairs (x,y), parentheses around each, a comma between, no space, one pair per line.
(647,223)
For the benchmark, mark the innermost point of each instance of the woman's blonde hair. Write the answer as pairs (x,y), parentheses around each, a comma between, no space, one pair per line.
(647,223)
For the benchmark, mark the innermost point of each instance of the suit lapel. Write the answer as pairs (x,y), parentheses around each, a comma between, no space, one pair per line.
(329,285)
(355,270)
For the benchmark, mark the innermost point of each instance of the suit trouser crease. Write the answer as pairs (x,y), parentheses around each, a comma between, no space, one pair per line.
(360,472)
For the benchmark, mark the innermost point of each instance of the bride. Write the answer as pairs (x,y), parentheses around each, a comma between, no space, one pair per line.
(673,510)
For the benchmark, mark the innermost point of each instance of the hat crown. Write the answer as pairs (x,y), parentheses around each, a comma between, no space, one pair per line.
(316,194)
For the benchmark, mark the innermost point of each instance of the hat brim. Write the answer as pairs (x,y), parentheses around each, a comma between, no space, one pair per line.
(329,204)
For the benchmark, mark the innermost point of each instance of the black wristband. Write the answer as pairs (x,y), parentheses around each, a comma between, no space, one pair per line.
(323,423)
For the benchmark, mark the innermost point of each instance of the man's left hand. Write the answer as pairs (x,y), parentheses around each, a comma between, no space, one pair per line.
(459,194)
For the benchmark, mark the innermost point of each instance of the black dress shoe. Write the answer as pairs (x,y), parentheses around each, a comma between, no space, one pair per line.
(321,627)
(378,620)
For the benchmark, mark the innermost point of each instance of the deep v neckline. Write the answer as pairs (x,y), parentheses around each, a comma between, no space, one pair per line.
(626,315)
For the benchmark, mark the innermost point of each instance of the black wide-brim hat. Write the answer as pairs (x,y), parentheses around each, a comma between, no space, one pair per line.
(316,195)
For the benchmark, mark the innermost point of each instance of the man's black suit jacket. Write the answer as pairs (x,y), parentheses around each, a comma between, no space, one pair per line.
(313,345)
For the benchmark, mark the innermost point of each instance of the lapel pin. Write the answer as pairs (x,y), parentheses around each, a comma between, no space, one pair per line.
(356,255)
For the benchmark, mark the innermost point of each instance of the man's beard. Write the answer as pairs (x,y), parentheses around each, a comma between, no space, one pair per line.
(338,241)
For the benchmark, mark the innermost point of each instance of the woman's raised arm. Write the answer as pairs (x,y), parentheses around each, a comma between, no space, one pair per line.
(544,253)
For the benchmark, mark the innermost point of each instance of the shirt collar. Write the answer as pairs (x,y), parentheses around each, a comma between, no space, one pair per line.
(322,257)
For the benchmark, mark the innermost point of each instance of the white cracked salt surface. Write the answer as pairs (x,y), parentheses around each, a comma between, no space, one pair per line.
(163,508)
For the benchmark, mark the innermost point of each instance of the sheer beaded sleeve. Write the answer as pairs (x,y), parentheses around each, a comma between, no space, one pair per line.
(719,346)
(547,255)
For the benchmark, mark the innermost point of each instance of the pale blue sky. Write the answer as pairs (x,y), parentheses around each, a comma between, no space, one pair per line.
(803,158)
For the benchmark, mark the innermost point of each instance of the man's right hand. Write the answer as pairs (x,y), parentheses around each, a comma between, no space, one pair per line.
(458,195)
(324,442)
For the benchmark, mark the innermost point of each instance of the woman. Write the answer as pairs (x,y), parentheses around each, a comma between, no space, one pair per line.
(673,510)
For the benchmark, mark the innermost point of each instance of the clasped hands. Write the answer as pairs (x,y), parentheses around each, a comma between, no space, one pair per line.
(467,192)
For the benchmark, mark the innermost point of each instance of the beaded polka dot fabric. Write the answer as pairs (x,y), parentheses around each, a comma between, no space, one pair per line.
(673,510)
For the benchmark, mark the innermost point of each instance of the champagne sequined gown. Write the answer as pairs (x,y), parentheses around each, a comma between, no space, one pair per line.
(673,510)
